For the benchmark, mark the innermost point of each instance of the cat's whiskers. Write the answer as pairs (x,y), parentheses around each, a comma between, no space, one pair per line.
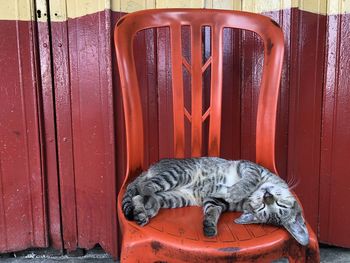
(293,182)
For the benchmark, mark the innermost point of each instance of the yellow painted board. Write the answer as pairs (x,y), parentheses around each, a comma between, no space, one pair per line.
(314,6)
(338,7)
(135,5)
(228,4)
(78,8)
(180,3)
(261,6)
(17,10)
(61,10)
(58,10)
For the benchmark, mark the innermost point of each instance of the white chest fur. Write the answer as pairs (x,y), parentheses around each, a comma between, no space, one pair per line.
(231,176)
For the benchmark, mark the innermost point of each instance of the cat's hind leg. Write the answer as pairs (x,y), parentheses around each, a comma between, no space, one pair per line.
(127,203)
(165,180)
(212,208)
(139,210)
(176,198)
(152,205)
(130,193)
(145,207)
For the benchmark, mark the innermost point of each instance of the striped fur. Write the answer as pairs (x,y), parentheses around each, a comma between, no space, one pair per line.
(218,185)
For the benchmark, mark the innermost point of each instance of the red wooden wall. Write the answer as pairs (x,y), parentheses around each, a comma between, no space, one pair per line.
(62,132)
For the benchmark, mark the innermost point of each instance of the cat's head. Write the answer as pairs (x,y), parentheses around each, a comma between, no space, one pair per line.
(273,203)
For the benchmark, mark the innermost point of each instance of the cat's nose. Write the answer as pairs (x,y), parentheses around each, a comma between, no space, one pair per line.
(268,198)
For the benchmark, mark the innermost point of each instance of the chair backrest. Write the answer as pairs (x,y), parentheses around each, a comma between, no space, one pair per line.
(272,37)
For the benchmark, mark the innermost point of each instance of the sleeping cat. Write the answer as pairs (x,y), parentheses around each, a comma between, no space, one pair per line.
(218,185)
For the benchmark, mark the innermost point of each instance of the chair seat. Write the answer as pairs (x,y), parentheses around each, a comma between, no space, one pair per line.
(178,234)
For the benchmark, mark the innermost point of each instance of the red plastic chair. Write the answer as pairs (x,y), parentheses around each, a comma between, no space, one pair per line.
(175,235)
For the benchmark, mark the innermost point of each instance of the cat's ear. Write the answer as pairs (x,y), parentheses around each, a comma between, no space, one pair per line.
(297,228)
(246,218)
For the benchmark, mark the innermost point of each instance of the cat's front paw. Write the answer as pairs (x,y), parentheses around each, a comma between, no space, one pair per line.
(141,217)
(209,228)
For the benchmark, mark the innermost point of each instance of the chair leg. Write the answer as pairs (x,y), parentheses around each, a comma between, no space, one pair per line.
(313,252)
(310,254)
(294,260)
(297,255)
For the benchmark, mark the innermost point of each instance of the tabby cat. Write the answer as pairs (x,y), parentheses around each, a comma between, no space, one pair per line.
(218,185)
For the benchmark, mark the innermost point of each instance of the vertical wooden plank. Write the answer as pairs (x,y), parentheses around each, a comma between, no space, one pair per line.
(63,108)
(231,95)
(82,59)
(329,117)
(22,195)
(252,64)
(32,123)
(207,75)
(334,179)
(140,56)
(283,18)
(152,98)
(145,57)
(216,92)
(341,144)
(64,133)
(49,131)
(178,92)
(307,57)
(93,130)
(165,106)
